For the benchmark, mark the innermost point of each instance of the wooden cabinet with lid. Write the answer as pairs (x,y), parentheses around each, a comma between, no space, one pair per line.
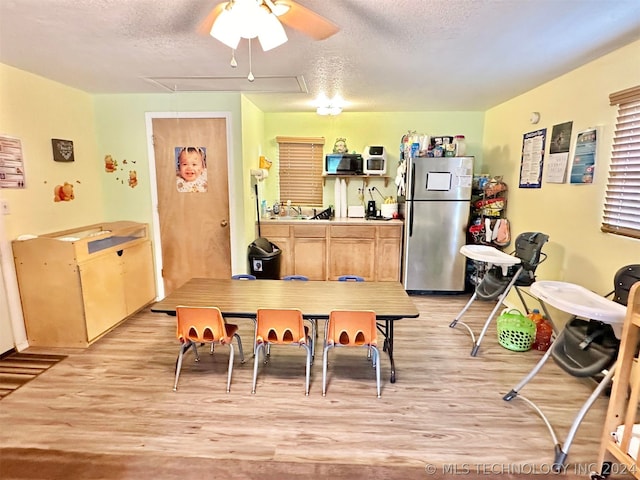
(76,285)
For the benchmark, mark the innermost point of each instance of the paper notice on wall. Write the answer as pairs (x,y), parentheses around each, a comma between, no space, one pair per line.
(11,163)
(584,157)
(556,164)
(532,159)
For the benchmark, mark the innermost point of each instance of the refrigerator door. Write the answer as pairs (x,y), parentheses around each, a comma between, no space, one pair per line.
(442,178)
(433,237)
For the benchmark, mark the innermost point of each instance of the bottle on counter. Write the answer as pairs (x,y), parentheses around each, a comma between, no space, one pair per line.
(460,145)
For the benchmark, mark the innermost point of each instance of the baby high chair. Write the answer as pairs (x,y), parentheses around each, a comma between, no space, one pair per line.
(503,272)
(587,346)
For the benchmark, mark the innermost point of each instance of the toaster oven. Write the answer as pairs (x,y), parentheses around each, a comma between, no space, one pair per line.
(375,160)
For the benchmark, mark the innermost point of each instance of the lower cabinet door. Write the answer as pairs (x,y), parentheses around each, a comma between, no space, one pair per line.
(102,293)
(310,258)
(138,279)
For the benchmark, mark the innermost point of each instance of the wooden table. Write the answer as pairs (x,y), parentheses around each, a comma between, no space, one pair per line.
(316,299)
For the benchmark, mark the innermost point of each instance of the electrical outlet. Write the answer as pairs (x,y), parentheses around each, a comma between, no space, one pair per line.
(4,207)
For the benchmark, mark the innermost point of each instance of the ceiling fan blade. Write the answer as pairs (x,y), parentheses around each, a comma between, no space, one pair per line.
(205,26)
(308,22)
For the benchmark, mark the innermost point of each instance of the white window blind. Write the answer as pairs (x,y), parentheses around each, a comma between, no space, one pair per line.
(300,165)
(622,198)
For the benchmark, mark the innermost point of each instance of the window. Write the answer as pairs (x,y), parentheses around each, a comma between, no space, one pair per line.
(622,199)
(300,164)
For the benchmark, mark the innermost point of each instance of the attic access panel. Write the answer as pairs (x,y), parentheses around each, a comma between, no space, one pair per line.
(266,84)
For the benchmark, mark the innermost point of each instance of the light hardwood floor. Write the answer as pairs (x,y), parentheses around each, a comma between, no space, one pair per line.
(446,407)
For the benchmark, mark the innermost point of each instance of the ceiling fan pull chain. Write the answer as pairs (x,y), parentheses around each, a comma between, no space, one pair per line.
(251,78)
(233,63)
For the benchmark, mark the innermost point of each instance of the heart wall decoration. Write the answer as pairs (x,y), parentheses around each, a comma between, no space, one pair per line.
(62,150)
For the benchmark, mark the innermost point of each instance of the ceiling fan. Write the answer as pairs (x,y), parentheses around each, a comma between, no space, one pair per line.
(289,12)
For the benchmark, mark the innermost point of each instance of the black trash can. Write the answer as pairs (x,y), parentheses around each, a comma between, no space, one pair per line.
(264,259)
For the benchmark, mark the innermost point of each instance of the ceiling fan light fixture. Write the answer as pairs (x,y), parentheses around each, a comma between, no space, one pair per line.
(225,29)
(248,19)
(278,8)
(272,33)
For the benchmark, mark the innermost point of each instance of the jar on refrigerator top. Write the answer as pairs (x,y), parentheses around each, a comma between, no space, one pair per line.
(461,146)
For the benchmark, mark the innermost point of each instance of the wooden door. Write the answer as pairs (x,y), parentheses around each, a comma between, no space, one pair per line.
(194,226)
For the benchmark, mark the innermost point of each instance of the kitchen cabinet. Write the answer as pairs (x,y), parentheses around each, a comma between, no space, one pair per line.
(325,250)
(76,285)
(352,251)
(388,257)
(310,251)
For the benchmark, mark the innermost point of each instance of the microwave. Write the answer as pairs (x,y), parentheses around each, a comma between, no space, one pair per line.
(375,160)
(344,164)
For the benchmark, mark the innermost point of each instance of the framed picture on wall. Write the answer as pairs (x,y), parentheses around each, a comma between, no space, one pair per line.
(62,150)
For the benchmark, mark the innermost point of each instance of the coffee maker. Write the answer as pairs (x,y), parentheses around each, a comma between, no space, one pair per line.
(371,209)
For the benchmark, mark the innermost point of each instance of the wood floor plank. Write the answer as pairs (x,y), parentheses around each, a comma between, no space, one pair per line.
(446,407)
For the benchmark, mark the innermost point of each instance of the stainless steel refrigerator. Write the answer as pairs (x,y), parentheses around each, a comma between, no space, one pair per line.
(437,207)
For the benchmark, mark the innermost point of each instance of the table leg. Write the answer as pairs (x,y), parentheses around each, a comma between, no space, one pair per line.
(390,349)
(387,346)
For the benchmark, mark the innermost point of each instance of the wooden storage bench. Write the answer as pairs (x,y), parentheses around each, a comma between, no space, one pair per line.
(76,285)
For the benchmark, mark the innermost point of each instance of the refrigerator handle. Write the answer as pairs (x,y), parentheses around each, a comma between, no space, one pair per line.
(413,180)
(409,205)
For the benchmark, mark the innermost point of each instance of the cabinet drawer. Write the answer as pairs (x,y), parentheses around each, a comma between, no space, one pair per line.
(389,232)
(309,231)
(274,230)
(353,231)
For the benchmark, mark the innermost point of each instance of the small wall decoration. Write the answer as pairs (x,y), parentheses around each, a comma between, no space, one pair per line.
(133,178)
(63,193)
(340,146)
(11,163)
(62,150)
(110,164)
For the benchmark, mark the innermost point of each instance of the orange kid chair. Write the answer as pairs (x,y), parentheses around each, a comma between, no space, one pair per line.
(280,327)
(204,325)
(351,329)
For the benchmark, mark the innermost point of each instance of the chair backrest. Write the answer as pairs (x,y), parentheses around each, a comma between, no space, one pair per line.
(243,276)
(623,281)
(350,278)
(280,326)
(296,277)
(529,249)
(200,324)
(352,328)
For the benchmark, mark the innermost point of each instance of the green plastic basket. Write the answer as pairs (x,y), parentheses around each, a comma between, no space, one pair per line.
(515,331)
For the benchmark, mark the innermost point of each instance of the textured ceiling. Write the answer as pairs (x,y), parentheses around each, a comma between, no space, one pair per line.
(389,55)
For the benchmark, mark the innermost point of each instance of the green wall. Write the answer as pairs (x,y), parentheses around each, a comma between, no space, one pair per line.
(122,133)
(362,129)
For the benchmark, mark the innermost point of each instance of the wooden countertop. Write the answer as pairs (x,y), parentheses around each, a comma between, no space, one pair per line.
(334,221)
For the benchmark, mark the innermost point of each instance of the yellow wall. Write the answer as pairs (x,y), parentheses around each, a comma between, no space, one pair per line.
(570,214)
(35,110)
(252,148)
(362,129)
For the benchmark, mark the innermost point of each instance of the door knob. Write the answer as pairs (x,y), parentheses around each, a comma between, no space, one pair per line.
(224,223)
